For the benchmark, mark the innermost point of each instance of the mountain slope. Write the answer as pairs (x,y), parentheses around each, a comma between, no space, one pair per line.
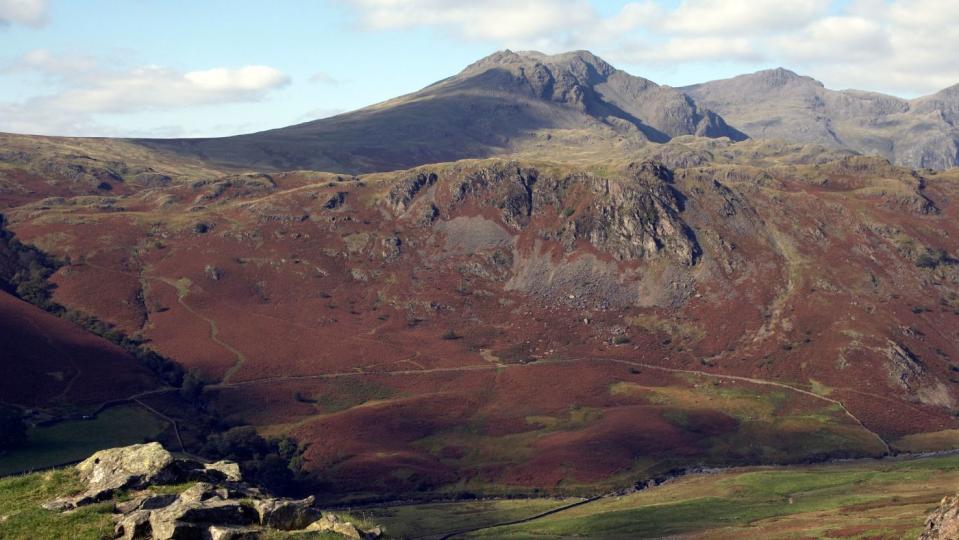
(518,324)
(576,104)
(497,105)
(783,105)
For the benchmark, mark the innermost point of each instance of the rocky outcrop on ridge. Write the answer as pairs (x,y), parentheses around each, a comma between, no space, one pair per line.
(217,506)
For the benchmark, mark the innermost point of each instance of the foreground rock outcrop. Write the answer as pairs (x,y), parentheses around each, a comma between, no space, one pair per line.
(218,505)
(943,522)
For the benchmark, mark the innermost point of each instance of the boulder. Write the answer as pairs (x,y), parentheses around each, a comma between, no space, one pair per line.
(943,522)
(61,504)
(332,522)
(234,533)
(185,517)
(287,515)
(229,469)
(129,467)
(134,526)
(145,502)
(179,530)
(217,505)
(107,471)
(197,492)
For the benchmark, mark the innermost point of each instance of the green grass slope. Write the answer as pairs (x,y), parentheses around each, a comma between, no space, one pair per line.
(871,499)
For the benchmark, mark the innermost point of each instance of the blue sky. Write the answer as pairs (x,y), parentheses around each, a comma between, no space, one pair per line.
(207,68)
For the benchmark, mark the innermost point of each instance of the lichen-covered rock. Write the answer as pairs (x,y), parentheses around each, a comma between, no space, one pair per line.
(217,505)
(229,469)
(943,522)
(180,519)
(332,522)
(116,468)
(200,491)
(107,471)
(234,533)
(287,515)
(145,502)
(134,526)
(137,466)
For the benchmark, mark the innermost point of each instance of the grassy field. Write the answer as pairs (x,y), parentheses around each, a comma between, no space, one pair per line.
(861,499)
(22,517)
(867,499)
(75,440)
(423,520)
(880,499)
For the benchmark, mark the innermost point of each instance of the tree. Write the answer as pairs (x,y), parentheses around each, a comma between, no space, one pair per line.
(13,430)
(192,387)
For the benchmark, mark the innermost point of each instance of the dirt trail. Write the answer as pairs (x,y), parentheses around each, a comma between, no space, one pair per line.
(182,290)
(489,367)
(765,382)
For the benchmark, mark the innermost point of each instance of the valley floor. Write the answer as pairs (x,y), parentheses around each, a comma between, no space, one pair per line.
(886,498)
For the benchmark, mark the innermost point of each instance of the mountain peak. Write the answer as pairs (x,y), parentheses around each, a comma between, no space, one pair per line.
(574,61)
(780,76)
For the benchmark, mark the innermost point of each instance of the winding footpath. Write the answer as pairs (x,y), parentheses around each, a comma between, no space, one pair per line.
(181,294)
(487,367)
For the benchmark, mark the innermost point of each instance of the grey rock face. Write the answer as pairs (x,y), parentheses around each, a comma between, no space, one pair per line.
(117,468)
(779,104)
(943,522)
(637,218)
(234,533)
(287,515)
(134,526)
(402,195)
(137,466)
(184,516)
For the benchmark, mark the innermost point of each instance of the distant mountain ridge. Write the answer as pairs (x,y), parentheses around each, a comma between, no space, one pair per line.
(512,102)
(780,104)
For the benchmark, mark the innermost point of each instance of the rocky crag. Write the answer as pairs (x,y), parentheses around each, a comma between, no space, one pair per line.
(158,496)
(943,522)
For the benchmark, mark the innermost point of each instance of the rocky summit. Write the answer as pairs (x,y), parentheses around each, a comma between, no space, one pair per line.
(530,102)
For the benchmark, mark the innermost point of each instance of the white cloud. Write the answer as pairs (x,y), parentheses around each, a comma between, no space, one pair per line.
(519,23)
(634,15)
(738,17)
(224,80)
(27,12)
(902,46)
(50,65)
(154,87)
(851,39)
(321,77)
(695,49)
(82,95)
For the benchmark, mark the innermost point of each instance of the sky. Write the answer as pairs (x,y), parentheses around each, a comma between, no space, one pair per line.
(199,68)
